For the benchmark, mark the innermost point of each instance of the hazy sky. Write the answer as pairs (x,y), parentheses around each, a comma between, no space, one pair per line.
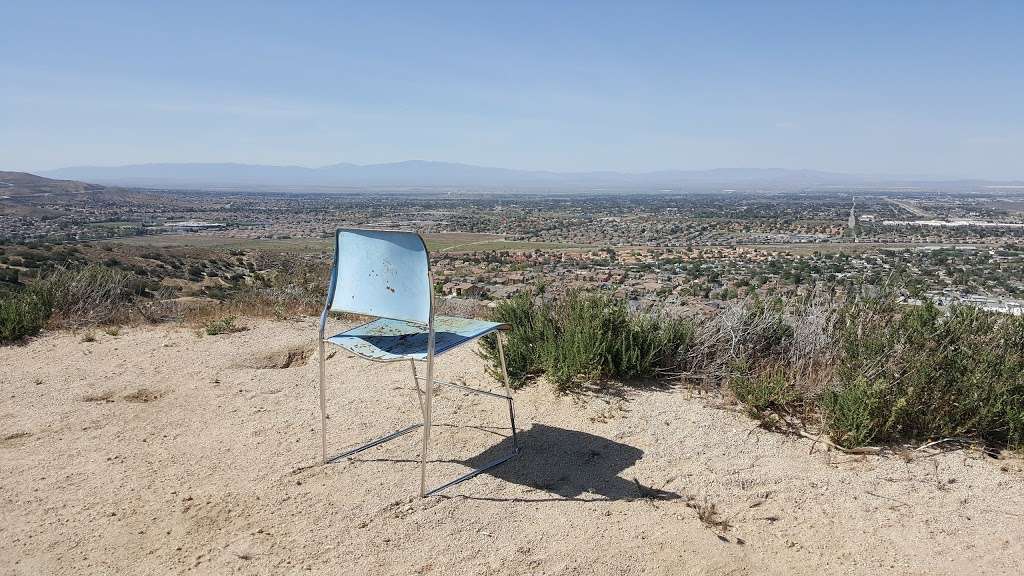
(888,87)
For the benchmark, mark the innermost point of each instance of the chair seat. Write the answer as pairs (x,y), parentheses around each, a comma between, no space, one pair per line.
(388,340)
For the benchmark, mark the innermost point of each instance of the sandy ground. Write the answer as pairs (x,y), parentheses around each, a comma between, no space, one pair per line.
(158,451)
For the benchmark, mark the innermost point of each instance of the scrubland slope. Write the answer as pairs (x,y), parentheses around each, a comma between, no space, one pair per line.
(159,451)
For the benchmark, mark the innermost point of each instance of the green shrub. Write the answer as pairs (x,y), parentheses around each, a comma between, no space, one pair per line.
(584,338)
(532,328)
(852,412)
(224,325)
(871,371)
(913,372)
(582,342)
(21,315)
(769,391)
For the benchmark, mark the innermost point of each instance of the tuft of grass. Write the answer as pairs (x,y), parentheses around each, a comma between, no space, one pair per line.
(224,325)
(709,516)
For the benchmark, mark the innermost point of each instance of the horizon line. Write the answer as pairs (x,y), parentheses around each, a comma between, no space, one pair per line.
(889,175)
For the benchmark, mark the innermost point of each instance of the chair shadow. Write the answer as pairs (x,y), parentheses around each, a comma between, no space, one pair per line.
(570,464)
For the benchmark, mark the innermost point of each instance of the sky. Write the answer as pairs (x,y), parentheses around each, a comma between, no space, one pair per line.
(890,88)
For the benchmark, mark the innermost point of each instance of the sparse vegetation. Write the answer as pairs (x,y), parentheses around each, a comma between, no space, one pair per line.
(103,396)
(143,395)
(69,292)
(858,366)
(868,370)
(917,372)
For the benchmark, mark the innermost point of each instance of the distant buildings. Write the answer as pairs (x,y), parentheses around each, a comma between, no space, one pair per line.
(193,225)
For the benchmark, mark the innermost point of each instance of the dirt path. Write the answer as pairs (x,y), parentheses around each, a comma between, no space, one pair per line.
(463,245)
(158,451)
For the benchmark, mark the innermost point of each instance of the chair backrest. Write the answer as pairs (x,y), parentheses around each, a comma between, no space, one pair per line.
(381,273)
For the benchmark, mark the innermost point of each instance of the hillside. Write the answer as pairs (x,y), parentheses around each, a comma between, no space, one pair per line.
(155,450)
(22,184)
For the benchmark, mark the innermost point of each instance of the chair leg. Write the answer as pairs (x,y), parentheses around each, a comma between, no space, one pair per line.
(427,397)
(323,407)
(512,422)
(508,393)
(416,384)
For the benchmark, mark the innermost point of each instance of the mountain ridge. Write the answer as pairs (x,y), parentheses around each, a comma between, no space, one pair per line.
(433,174)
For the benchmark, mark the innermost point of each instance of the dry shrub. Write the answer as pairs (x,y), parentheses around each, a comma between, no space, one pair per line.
(89,296)
(757,336)
(93,295)
(709,515)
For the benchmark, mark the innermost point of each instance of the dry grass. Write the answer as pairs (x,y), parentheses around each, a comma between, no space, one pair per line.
(92,295)
(709,515)
(752,331)
(143,395)
(104,396)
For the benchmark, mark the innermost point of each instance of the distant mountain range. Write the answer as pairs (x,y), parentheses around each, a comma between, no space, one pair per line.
(427,174)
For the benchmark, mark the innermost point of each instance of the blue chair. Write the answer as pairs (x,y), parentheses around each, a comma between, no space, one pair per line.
(386,274)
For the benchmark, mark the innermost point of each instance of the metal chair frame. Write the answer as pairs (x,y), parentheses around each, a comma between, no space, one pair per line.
(424,395)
